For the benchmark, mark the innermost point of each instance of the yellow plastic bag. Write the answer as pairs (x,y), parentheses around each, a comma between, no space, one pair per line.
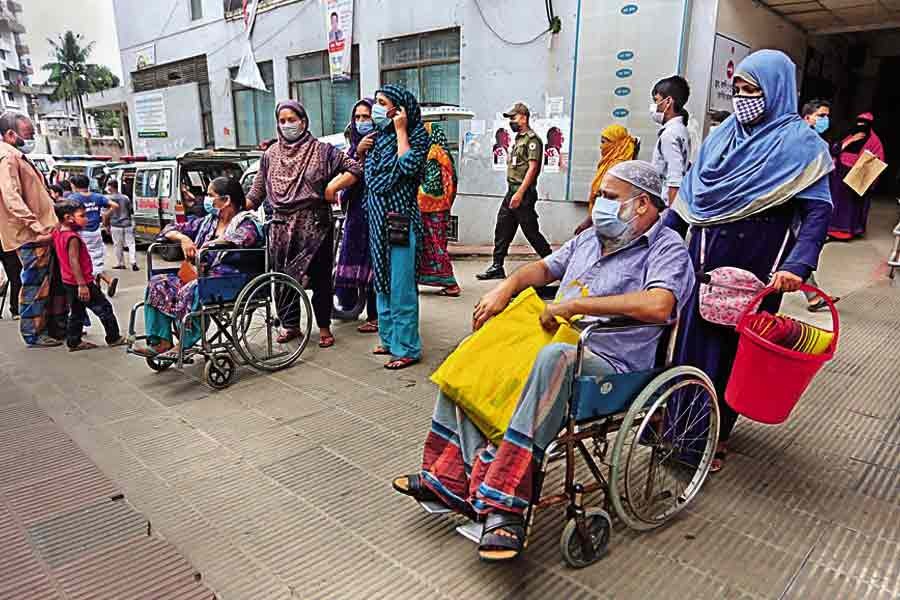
(485,375)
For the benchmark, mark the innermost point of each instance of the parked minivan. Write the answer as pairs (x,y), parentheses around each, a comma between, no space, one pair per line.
(92,166)
(154,184)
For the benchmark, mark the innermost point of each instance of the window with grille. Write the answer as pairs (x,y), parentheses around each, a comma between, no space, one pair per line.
(254,110)
(328,104)
(427,64)
(189,70)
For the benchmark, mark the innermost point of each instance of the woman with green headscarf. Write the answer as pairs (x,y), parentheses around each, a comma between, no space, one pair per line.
(394,169)
(436,196)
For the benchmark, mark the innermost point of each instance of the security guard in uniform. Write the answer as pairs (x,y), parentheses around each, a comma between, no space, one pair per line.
(517,209)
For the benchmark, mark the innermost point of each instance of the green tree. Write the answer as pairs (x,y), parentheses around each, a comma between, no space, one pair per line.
(72,76)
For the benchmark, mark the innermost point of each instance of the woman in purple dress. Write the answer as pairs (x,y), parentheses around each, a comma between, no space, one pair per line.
(354,268)
(760,183)
(300,177)
(168,298)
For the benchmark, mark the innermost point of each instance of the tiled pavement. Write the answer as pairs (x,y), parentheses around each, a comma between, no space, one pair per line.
(279,486)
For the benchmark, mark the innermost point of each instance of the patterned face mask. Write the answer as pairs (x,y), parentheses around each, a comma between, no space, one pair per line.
(748,108)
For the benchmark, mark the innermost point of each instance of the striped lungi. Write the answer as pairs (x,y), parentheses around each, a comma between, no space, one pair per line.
(96,248)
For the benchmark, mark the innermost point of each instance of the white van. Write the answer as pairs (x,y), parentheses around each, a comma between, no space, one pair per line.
(154,185)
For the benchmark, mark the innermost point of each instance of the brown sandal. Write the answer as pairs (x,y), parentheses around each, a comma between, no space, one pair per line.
(83,346)
(326,341)
(368,327)
(288,335)
(401,363)
(381,351)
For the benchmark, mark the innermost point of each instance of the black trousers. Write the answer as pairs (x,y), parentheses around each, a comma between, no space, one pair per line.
(510,219)
(321,282)
(13,267)
(99,305)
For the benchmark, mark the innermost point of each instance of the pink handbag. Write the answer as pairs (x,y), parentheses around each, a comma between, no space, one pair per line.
(726,292)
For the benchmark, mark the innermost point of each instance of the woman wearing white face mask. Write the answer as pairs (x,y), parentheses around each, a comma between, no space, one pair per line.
(672,153)
(301,177)
(757,199)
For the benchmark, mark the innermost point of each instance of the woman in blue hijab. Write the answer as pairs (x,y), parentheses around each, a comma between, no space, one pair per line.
(394,170)
(758,190)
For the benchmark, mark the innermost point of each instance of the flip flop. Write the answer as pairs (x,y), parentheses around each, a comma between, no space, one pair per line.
(401,363)
(368,327)
(381,351)
(113,285)
(83,346)
(288,335)
(821,304)
(326,341)
(720,456)
(450,294)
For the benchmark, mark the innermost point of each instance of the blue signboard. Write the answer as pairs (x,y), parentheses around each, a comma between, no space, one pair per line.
(623,73)
(629,9)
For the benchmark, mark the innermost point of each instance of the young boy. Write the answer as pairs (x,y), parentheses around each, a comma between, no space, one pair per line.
(94,204)
(82,291)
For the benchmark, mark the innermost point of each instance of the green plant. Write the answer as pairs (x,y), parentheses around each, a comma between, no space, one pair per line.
(72,76)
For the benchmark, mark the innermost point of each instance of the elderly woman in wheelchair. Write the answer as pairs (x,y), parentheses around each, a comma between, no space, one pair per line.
(630,265)
(172,296)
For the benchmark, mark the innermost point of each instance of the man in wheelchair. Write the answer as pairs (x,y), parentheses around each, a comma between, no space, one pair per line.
(171,296)
(630,264)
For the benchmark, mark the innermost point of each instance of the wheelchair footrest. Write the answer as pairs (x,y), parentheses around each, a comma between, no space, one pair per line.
(471,530)
(435,508)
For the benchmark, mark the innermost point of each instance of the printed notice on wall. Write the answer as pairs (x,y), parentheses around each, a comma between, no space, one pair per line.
(150,115)
(339,28)
(727,55)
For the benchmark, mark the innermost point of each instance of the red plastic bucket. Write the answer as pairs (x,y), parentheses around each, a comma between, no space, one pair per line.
(767,380)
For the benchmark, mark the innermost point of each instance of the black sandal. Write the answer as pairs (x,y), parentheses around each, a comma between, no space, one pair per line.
(495,547)
(415,488)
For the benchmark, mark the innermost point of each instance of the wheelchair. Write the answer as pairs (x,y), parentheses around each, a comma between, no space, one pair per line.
(241,316)
(647,440)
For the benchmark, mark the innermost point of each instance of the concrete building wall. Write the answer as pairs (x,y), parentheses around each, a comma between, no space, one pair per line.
(184,127)
(493,74)
(759,27)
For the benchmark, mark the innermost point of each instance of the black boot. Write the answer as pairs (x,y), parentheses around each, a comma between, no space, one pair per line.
(494,272)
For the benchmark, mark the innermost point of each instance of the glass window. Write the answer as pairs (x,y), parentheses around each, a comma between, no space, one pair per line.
(206,112)
(165,183)
(196,10)
(428,66)
(254,110)
(328,103)
(152,187)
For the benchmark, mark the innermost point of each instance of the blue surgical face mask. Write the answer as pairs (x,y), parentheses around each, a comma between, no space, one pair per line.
(209,206)
(608,224)
(380,116)
(364,127)
(822,124)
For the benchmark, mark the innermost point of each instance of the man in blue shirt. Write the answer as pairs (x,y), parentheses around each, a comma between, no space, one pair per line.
(94,204)
(629,263)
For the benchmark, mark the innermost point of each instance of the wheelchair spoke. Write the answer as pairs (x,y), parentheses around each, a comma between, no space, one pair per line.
(662,452)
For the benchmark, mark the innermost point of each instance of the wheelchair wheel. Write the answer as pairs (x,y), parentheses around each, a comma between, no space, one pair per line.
(268,309)
(158,364)
(571,543)
(219,371)
(664,448)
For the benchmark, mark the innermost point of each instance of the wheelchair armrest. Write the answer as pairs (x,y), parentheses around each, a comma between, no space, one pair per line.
(607,324)
(158,248)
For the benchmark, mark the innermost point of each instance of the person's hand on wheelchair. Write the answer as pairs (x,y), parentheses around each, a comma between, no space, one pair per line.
(189,248)
(548,317)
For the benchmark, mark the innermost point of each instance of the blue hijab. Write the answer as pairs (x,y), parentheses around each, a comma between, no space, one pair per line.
(741,171)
